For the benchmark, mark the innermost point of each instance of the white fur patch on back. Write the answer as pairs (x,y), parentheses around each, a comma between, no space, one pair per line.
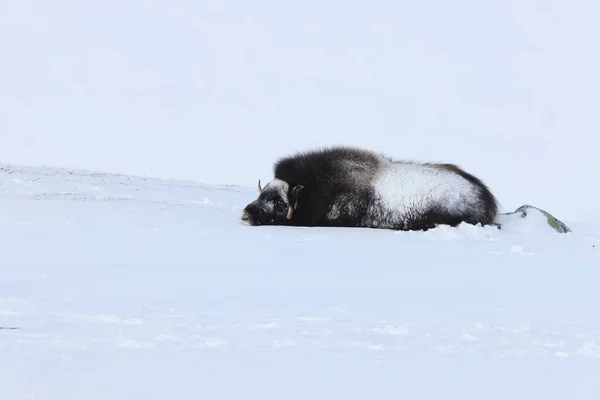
(405,188)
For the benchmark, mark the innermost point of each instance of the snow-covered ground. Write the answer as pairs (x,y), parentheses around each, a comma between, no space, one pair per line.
(131,288)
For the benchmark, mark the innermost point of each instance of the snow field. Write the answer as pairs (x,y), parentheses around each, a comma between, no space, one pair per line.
(125,287)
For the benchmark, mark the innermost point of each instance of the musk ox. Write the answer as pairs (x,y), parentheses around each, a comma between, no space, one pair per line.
(351,187)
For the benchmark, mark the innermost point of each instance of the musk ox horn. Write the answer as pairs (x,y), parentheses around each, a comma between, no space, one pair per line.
(290,212)
(260,189)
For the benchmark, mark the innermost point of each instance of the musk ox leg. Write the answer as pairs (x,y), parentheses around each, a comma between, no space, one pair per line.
(433,218)
(428,220)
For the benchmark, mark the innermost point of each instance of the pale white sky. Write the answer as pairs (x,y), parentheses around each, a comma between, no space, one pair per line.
(216,91)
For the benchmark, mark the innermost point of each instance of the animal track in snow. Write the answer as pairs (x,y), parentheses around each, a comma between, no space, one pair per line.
(391,330)
(132,344)
(105,318)
(313,319)
(9,313)
(210,343)
(589,349)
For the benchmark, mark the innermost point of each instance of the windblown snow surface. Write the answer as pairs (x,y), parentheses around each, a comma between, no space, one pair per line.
(123,287)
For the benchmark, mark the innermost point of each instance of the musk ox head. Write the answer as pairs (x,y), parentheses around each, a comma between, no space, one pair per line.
(275,204)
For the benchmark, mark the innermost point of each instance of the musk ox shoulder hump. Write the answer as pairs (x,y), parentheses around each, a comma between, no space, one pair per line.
(340,164)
